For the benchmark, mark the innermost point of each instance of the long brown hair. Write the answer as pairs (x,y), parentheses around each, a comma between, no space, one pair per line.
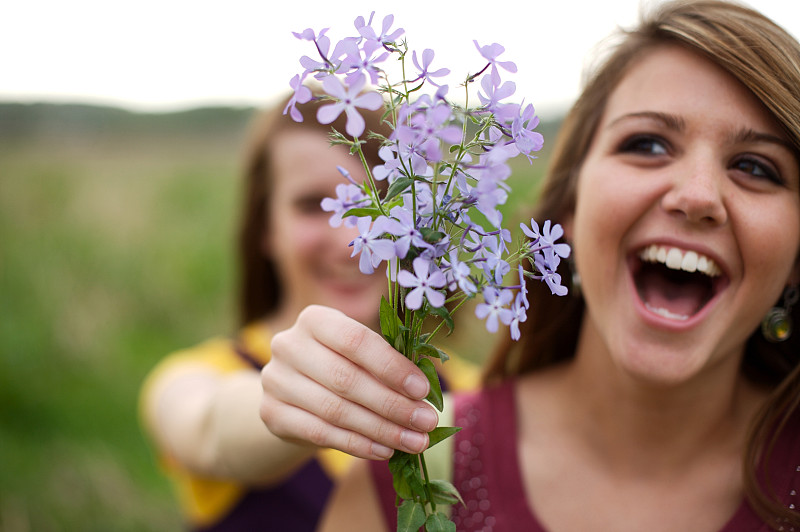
(259,285)
(766,60)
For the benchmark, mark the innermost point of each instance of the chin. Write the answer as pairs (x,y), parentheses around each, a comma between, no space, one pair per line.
(664,367)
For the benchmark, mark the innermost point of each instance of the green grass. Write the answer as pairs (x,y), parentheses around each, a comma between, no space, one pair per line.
(115,249)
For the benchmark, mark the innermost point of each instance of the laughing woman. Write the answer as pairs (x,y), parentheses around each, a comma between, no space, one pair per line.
(658,397)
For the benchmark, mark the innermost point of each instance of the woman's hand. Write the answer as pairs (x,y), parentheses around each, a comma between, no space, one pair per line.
(334,382)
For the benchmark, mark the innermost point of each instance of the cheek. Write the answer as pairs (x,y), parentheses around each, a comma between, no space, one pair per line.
(770,240)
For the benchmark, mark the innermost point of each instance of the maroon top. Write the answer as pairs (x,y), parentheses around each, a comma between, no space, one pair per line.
(486,470)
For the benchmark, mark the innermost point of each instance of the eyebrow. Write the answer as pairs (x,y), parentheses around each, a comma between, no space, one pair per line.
(670,121)
(677,123)
(750,135)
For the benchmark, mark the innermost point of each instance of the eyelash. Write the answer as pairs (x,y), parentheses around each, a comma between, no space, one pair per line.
(758,168)
(309,204)
(767,170)
(633,145)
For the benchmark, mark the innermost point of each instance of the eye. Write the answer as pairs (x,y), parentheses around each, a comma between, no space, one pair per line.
(757,168)
(645,145)
(309,204)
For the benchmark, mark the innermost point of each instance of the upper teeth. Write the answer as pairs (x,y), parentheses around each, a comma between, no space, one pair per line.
(677,259)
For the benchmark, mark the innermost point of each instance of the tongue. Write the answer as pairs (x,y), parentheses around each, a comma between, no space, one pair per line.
(671,291)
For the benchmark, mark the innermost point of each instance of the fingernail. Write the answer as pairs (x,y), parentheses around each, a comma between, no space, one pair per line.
(416,386)
(413,441)
(424,419)
(381,451)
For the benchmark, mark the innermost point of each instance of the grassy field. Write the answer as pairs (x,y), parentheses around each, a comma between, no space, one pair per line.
(115,249)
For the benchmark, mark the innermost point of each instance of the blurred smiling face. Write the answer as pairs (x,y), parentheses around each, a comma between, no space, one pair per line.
(313,258)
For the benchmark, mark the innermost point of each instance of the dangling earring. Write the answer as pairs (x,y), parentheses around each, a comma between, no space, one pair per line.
(777,324)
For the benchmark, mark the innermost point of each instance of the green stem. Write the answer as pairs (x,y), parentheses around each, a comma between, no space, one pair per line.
(441,323)
(372,186)
(426,482)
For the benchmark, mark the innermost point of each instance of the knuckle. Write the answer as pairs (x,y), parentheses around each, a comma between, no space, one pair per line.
(388,434)
(390,406)
(280,343)
(356,444)
(332,410)
(343,379)
(316,434)
(396,369)
(352,337)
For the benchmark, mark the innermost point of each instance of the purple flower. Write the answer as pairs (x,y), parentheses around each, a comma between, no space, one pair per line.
(366,31)
(367,63)
(490,53)
(322,44)
(519,310)
(550,277)
(347,197)
(457,274)
(424,73)
(494,93)
(488,195)
(302,94)
(522,295)
(401,224)
(369,243)
(544,242)
(424,281)
(495,308)
(493,249)
(348,100)
(522,131)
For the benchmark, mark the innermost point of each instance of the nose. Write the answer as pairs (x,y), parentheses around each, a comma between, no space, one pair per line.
(696,193)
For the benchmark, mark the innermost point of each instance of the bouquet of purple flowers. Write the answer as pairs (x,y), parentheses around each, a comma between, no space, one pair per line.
(435,222)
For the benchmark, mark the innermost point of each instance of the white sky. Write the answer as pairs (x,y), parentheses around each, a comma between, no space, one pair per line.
(171,54)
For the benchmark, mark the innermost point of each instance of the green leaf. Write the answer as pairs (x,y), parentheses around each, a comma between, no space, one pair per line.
(444,314)
(399,465)
(390,322)
(398,187)
(439,522)
(431,235)
(435,395)
(372,212)
(400,344)
(440,433)
(444,492)
(413,479)
(410,516)
(429,350)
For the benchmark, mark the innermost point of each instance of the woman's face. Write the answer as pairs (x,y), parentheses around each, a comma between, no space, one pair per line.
(687,223)
(313,258)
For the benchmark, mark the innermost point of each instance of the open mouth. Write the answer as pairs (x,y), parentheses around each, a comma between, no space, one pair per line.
(674,283)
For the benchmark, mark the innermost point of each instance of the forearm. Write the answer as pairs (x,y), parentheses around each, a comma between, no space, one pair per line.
(243,448)
(210,423)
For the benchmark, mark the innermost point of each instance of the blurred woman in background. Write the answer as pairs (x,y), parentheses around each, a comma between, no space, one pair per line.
(200,406)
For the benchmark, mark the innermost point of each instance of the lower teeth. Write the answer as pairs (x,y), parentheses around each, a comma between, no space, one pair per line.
(666,313)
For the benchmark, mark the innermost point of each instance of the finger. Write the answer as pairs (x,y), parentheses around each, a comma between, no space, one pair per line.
(366,348)
(349,381)
(340,412)
(298,425)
